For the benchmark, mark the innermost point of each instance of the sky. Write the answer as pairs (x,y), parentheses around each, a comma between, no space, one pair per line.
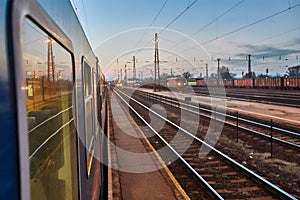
(193,33)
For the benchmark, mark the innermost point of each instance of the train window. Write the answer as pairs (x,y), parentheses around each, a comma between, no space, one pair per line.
(87,82)
(48,73)
(89,114)
(96,110)
(102,87)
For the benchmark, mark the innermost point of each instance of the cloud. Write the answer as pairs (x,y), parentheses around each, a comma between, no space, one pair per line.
(260,51)
(296,41)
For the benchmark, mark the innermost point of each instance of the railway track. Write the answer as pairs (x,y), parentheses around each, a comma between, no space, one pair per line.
(266,130)
(254,95)
(222,176)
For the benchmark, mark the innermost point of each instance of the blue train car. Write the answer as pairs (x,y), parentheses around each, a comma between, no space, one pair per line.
(52,105)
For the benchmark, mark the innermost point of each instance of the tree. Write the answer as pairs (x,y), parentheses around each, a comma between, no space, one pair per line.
(164,76)
(261,76)
(186,75)
(225,73)
(250,75)
(213,75)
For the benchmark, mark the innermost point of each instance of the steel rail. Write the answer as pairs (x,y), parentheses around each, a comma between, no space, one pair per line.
(228,115)
(265,94)
(252,100)
(270,185)
(286,132)
(211,189)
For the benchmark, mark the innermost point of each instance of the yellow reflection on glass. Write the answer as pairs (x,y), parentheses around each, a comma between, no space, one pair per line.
(51,130)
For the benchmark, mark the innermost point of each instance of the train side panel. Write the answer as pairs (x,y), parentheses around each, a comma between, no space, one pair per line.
(88,130)
(10,179)
(57,100)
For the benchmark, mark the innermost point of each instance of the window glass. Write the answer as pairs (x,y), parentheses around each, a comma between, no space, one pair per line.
(51,129)
(87,80)
(96,110)
(102,87)
(89,114)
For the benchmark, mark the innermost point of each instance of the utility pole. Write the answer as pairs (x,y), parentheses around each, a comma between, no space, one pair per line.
(125,70)
(218,72)
(51,66)
(134,70)
(200,74)
(156,64)
(141,75)
(206,70)
(249,66)
(121,74)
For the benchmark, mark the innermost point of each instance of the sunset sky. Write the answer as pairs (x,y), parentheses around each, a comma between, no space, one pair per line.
(192,33)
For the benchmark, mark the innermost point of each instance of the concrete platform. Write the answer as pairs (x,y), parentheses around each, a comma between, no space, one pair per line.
(136,172)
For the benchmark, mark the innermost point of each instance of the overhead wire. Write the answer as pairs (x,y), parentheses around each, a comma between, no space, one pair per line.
(284,52)
(217,18)
(277,35)
(151,24)
(251,24)
(258,57)
(85,18)
(171,22)
(259,41)
(159,12)
(178,16)
(241,28)
(211,22)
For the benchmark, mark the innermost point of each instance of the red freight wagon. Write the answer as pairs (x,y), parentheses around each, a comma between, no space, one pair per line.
(201,83)
(228,83)
(275,82)
(291,82)
(243,82)
(260,82)
(209,83)
(268,82)
(212,83)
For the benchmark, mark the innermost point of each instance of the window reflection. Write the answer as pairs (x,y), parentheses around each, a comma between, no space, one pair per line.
(89,116)
(51,130)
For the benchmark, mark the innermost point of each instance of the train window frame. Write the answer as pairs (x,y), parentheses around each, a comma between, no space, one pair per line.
(98,96)
(96,102)
(88,104)
(17,13)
